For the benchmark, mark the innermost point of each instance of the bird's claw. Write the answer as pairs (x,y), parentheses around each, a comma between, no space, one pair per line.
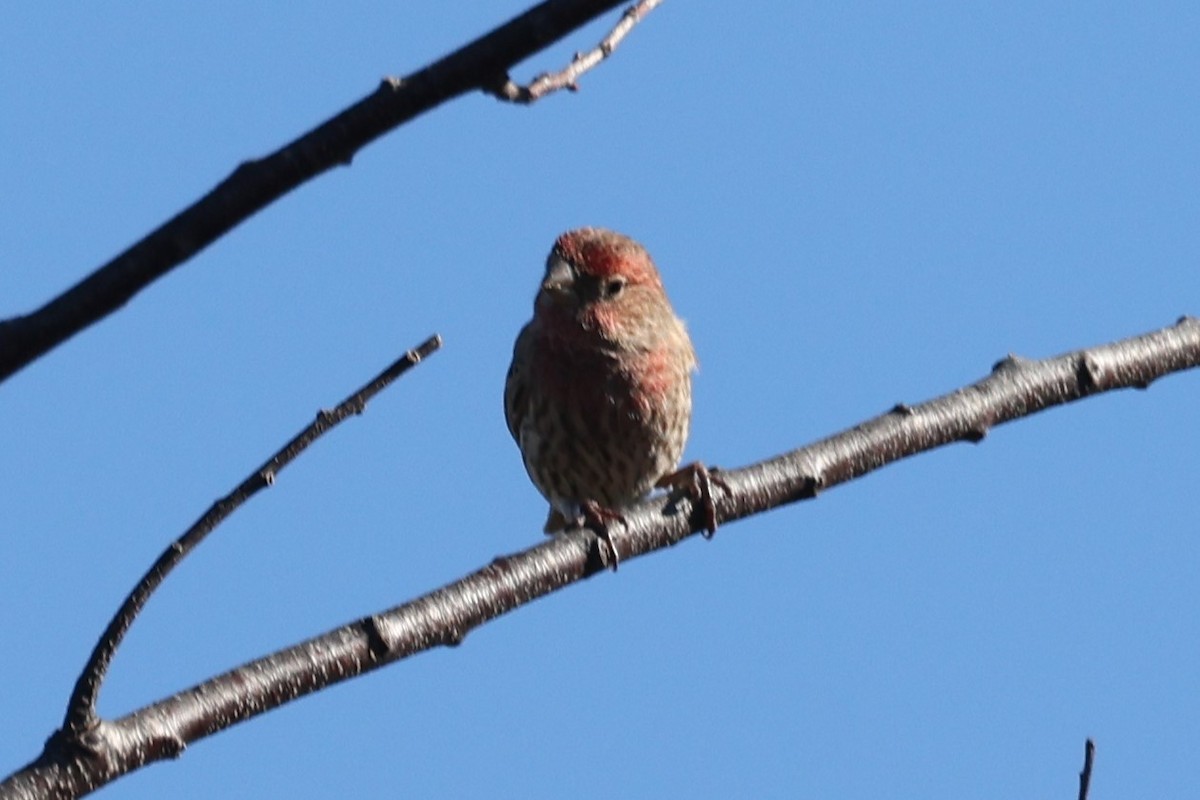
(588,514)
(697,481)
(598,518)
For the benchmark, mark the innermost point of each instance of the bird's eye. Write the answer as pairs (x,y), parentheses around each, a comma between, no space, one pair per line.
(613,287)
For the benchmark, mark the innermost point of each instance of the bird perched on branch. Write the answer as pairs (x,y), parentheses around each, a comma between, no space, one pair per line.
(599,393)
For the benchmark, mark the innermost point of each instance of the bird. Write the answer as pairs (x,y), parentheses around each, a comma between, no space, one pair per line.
(598,396)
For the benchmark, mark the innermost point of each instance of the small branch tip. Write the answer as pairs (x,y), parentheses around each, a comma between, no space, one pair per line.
(427,347)
(1085,774)
(503,88)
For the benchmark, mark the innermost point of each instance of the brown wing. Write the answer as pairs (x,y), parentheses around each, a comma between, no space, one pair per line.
(516,387)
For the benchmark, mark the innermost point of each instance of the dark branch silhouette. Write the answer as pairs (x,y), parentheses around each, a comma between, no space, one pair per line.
(506,89)
(1085,774)
(258,183)
(81,719)
(1016,388)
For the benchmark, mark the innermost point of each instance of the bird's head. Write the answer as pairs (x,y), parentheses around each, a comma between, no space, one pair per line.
(600,283)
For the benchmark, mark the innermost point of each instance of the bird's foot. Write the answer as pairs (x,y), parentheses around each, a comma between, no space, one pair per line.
(598,518)
(696,481)
(590,515)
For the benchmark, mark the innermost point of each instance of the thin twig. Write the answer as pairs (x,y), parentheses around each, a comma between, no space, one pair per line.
(1085,775)
(504,88)
(1016,388)
(258,183)
(81,719)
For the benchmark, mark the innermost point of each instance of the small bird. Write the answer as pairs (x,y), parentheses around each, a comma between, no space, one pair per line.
(599,393)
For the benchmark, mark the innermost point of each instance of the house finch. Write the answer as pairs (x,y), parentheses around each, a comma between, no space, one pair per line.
(599,393)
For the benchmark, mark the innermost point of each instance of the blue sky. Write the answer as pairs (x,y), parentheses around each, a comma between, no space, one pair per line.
(852,205)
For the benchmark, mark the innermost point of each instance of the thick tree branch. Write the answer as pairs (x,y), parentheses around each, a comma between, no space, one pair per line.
(256,184)
(81,720)
(506,89)
(1016,388)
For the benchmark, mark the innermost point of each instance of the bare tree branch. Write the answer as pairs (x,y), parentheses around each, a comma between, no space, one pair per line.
(256,184)
(81,719)
(549,82)
(1016,388)
(1085,775)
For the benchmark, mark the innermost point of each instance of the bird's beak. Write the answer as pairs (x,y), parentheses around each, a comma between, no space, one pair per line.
(560,278)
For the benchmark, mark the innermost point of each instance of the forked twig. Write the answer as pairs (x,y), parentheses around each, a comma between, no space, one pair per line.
(505,88)
(81,716)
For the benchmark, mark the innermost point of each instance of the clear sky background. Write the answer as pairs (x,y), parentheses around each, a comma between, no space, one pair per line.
(853,204)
